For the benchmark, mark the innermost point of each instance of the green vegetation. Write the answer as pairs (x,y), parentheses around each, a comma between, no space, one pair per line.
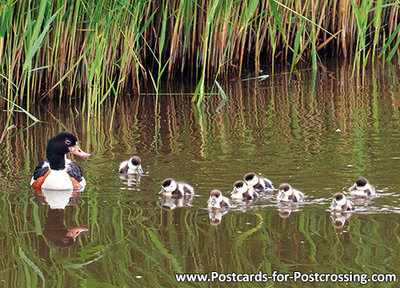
(75,45)
(96,49)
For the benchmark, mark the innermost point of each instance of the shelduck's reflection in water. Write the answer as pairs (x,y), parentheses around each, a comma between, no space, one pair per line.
(55,229)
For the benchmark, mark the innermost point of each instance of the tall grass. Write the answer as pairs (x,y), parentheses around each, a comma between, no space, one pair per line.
(98,48)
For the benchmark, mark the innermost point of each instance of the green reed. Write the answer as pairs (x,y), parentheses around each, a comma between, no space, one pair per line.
(58,49)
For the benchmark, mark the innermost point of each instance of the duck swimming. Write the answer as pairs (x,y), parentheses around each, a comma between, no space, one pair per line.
(57,172)
(171,188)
(288,194)
(362,188)
(259,184)
(218,201)
(242,192)
(131,166)
(341,203)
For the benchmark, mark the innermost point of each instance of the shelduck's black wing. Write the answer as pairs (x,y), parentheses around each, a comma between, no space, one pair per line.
(75,171)
(41,170)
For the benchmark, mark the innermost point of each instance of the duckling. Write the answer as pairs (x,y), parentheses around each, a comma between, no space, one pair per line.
(259,184)
(175,189)
(242,192)
(340,203)
(218,201)
(287,193)
(362,188)
(131,166)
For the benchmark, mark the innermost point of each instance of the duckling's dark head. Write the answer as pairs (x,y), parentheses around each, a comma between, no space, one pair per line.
(167,182)
(136,161)
(361,182)
(249,176)
(238,184)
(215,193)
(338,196)
(284,187)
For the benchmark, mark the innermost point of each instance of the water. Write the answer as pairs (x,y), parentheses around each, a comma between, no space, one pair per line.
(319,133)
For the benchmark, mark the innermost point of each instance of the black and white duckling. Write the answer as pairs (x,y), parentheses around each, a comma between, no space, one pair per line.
(218,201)
(362,188)
(171,188)
(57,172)
(259,184)
(288,194)
(242,192)
(131,166)
(341,203)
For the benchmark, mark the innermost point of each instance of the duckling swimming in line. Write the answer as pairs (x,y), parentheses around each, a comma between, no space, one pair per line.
(171,188)
(362,188)
(218,201)
(287,193)
(242,192)
(259,184)
(341,203)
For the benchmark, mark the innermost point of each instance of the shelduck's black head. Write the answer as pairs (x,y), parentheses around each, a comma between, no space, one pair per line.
(59,145)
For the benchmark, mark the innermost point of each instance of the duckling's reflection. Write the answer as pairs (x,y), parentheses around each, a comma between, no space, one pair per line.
(339,218)
(54,229)
(170,203)
(284,209)
(131,180)
(215,215)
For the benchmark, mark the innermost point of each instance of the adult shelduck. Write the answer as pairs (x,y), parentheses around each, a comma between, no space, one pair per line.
(57,171)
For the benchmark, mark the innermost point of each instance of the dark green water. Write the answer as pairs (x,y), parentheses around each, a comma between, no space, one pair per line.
(287,132)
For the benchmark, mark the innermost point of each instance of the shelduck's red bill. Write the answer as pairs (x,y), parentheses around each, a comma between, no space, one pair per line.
(78,151)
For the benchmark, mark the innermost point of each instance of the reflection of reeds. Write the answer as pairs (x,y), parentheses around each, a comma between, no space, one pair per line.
(252,110)
(97,45)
